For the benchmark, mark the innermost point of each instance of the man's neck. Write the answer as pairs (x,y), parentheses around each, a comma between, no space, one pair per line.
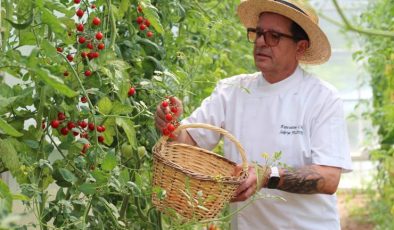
(274,77)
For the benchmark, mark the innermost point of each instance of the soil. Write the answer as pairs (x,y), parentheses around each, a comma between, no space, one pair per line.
(353,211)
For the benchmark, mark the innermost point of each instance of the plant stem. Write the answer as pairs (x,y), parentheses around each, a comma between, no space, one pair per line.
(42,207)
(357,29)
(113,26)
(61,153)
(86,213)
(229,215)
(91,107)
(159,222)
(123,208)
(139,211)
(8,14)
(110,212)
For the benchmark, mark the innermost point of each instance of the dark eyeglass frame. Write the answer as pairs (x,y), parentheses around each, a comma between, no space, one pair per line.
(268,36)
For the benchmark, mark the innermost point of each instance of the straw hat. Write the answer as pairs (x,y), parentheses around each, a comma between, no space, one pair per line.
(319,50)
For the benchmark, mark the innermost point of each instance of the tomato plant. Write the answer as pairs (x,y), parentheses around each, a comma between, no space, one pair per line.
(378,51)
(79,83)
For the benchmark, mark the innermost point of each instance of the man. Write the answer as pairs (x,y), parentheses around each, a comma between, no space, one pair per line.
(284,109)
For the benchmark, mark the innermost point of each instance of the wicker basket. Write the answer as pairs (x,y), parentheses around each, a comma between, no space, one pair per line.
(197,182)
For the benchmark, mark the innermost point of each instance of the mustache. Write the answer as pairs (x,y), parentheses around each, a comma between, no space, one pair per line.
(262,51)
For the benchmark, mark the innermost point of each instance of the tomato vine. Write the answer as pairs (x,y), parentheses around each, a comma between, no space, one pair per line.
(79,81)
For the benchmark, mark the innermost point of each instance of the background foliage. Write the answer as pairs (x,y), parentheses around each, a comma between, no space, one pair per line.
(378,51)
(101,184)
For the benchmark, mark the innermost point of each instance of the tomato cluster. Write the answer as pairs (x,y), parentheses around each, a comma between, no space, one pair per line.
(88,37)
(171,116)
(81,128)
(143,23)
(89,42)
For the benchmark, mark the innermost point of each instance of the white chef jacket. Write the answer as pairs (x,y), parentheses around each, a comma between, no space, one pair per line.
(301,116)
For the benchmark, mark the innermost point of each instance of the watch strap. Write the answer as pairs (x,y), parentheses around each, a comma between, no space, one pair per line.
(274,178)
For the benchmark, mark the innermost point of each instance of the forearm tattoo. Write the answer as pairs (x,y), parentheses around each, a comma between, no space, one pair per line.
(304,180)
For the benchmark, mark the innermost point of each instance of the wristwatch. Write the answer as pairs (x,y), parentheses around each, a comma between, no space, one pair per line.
(274,178)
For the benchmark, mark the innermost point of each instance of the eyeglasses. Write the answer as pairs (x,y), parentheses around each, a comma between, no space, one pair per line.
(271,38)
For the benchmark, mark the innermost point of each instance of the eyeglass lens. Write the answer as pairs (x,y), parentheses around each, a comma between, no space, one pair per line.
(270,37)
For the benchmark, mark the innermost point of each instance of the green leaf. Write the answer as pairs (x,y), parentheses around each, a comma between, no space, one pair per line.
(49,49)
(105,105)
(4,102)
(110,131)
(123,89)
(151,48)
(67,175)
(56,5)
(87,189)
(123,7)
(100,177)
(128,127)
(120,109)
(5,197)
(60,195)
(150,12)
(32,59)
(20,197)
(105,71)
(24,98)
(181,11)
(172,76)
(150,64)
(54,23)
(32,144)
(124,176)
(27,38)
(8,129)
(6,90)
(109,162)
(110,207)
(134,188)
(55,82)
(156,63)
(39,4)
(9,157)
(24,25)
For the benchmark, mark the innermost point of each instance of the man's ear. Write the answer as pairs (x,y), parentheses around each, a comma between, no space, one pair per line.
(302,46)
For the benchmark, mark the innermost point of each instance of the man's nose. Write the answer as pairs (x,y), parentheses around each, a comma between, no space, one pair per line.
(260,41)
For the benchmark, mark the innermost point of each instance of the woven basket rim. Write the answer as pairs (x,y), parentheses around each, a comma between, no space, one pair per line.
(194,175)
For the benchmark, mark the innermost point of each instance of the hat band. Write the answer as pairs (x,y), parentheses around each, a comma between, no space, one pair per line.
(291,5)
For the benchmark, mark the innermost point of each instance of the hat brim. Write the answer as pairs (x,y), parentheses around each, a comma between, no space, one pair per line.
(319,50)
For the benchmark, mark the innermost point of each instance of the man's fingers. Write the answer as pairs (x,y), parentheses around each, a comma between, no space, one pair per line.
(162,111)
(245,194)
(173,107)
(237,170)
(250,181)
(160,123)
(175,102)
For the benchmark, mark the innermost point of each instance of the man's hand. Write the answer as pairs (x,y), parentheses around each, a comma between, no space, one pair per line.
(255,181)
(161,120)
(161,112)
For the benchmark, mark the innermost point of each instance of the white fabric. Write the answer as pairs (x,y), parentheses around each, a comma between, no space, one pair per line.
(303,117)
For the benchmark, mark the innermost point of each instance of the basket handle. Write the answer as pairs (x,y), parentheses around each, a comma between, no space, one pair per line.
(218,130)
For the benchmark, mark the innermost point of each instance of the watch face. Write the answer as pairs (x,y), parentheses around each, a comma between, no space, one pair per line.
(273,182)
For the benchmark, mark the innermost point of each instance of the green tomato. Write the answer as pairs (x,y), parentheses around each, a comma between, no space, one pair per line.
(141,151)
(127,151)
